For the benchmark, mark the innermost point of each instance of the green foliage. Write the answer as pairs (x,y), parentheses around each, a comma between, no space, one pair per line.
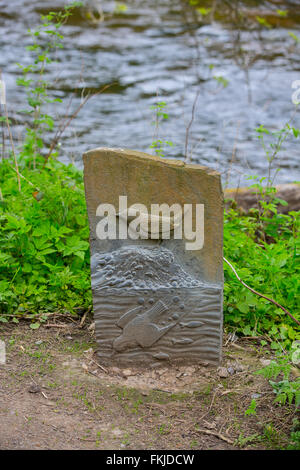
(263,22)
(203,11)
(265,247)
(272,143)
(295,37)
(120,8)
(221,80)
(294,443)
(158,145)
(160,115)
(44,254)
(251,410)
(286,391)
(46,39)
(282,13)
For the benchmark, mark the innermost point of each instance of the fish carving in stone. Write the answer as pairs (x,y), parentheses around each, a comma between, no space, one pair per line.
(140,329)
(163,224)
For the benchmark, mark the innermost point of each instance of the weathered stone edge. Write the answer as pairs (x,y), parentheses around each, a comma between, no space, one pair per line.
(136,155)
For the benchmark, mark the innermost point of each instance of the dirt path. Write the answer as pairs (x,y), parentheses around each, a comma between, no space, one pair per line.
(54,395)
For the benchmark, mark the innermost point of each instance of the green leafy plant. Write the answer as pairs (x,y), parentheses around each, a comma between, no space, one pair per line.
(251,410)
(274,144)
(44,254)
(120,8)
(265,249)
(46,39)
(160,115)
(286,391)
(221,80)
(263,22)
(294,442)
(294,37)
(282,13)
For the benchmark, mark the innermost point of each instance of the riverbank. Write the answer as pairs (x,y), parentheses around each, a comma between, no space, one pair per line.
(247,198)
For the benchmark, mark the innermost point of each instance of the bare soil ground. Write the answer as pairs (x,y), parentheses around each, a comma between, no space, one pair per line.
(54,394)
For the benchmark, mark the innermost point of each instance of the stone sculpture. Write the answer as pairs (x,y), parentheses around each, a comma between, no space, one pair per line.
(155,301)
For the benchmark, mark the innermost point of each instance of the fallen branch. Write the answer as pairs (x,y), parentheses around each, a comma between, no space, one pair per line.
(237,347)
(261,295)
(210,407)
(216,434)
(99,365)
(84,317)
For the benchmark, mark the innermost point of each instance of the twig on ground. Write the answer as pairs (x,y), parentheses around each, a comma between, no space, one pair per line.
(216,434)
(210,407)
(237,346)
(252,337)
(84,317)
(82,320)
(56,325)
(99,365)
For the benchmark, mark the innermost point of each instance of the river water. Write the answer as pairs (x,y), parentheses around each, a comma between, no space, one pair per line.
(162,51)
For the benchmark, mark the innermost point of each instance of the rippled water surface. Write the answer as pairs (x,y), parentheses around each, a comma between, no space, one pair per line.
(159,50)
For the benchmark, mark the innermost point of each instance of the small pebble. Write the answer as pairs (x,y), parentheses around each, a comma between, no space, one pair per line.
(223,372)
(128,372)
(34,389)
(265,362)
(190,370)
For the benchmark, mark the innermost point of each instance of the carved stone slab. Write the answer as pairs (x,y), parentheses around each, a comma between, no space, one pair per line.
(155,301)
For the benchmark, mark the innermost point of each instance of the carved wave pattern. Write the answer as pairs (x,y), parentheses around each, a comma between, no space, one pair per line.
(139,267)
(184,324)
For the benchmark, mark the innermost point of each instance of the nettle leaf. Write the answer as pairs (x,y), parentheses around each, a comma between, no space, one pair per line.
(42,229)
(41,243)
(247,331)
(75,245)
(243,307)
(4,258)
(27,268)
(80,254)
